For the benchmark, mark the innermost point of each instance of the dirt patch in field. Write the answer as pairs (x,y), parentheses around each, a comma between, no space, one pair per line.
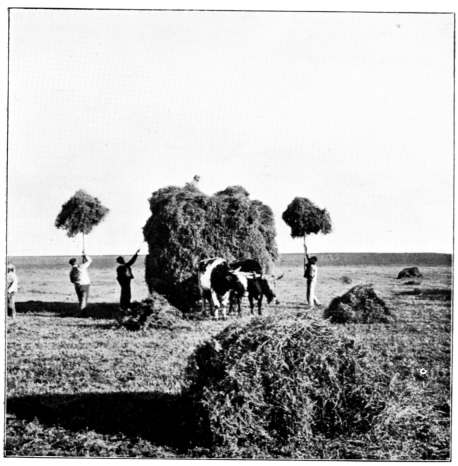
(431,294)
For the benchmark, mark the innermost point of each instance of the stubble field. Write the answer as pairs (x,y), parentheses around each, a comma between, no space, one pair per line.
(85,387)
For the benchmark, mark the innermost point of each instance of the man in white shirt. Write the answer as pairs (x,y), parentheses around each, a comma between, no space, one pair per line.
(80,278)
(12,282)
(311,274)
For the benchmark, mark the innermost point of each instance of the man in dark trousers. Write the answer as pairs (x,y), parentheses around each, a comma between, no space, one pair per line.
(124,277)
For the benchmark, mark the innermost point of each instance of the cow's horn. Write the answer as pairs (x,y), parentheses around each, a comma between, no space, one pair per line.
(280,276)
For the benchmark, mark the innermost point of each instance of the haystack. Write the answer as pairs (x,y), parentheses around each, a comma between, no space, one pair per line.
(151,313)
(359,305)
(410,272)
(187,225)
(281,384)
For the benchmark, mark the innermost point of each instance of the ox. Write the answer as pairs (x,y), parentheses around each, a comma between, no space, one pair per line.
(216,283)
(259,284)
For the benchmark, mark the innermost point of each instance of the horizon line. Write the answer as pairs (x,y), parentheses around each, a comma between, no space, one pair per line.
(280,253)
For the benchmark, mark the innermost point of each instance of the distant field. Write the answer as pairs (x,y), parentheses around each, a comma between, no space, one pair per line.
(382,259)
(325,259)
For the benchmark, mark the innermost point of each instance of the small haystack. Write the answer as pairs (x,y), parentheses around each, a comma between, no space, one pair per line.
(346,280)
(285,384)
(360,305)
(187,225)
(151,313)
(410,272)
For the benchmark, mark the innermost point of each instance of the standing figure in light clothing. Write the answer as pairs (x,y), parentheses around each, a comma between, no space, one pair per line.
(311,274)
(12,282)
(80,278)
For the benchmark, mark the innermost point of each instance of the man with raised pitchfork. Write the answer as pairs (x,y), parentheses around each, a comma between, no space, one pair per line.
(124,277)
(311,274)
(80,278)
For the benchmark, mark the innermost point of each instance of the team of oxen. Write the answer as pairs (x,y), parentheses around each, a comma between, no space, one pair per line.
(224,285)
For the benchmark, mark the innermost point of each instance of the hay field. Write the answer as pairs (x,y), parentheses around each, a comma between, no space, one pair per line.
(84,387)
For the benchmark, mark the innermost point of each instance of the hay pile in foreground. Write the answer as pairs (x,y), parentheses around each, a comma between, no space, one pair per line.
(282,385)
(151,313)
(360,305)
(186,226)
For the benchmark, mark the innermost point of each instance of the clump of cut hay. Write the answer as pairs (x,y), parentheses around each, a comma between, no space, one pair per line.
(80,214)
(412,282)
(360,305)
(346,280)
(410,272)
(187,225)
(147,314)
(282,385)
(304,218)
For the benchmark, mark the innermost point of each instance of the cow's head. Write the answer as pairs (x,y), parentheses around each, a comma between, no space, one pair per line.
(267,284)
(238,282)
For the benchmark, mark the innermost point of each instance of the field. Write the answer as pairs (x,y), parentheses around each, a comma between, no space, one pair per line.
(86,387)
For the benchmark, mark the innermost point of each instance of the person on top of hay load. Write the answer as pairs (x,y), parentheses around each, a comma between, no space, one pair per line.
(124,277)
(80,278)
(12,282)
(311,274)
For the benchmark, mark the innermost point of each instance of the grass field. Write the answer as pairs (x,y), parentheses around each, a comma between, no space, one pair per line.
(85,387)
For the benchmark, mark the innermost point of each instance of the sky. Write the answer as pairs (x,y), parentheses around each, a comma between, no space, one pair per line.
(353,111)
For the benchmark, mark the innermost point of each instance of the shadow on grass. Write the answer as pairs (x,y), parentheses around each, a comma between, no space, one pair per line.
(67,309)
(163,419)
(433,294)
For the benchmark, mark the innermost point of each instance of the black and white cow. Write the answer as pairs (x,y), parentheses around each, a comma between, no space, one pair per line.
(216,283)
(259,284)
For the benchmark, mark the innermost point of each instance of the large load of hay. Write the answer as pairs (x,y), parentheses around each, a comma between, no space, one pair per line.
(360,305)
(187,225)
(283,385)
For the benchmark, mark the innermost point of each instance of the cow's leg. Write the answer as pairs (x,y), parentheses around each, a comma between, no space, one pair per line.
(250,298)
(215,303)
(202,297)
(260,305)
(239,306)
(224,304)
(232,298)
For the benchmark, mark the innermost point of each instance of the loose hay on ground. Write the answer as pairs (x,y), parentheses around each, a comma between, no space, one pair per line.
(358,305)
(149,314)
(410,272)
(283,385)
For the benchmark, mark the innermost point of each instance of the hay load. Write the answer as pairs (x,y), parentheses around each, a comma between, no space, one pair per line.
(80,214)
(283,385)
(360,305)
(187,225)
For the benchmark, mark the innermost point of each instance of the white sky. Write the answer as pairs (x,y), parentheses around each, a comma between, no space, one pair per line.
(352,110)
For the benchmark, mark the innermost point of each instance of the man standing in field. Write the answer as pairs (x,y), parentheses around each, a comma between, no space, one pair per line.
(124,277)
(311,274)
(80,278)
(12,282)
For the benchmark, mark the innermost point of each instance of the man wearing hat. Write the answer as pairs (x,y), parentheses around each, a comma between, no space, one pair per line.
(80,278)
(12,282)
(124,277)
